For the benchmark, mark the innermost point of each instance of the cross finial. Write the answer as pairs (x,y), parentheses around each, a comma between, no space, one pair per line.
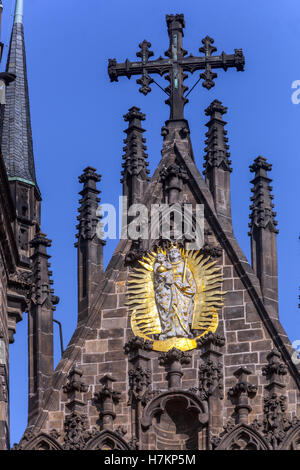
(176,65)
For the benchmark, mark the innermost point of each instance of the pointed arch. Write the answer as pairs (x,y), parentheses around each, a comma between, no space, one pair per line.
(243,437)
(174,420)
(186,399)
(107,440)
(42,442)
(292,439)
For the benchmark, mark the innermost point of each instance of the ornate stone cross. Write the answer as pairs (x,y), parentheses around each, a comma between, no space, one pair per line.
(175,66)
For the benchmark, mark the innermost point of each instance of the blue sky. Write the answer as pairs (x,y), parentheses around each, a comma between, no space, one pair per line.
(77,121)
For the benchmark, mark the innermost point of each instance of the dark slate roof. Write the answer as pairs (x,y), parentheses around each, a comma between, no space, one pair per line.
(16,145)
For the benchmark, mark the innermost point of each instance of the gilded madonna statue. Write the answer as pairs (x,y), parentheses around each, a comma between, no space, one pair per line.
(175,289)
(174,297)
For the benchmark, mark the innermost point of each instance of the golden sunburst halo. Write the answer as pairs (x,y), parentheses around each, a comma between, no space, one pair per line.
(145,320)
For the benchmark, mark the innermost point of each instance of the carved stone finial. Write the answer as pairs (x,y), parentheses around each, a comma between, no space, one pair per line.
(136,344)
(74,388)
(75,384)
(106,389)
(215,107)
(260,163)
(241,392)
(41,308)
(173,360)
(242,386)
(106,398)
(89,176)
(274,371)
(262,215)
(210,339)
(134,113)
(88,218)
(41,291)
(216,149)
(135,163)
(173,170)
(274,367)
(175,355)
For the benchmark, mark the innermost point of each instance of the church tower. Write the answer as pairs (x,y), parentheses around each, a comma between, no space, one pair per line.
(28,287)
(17,144)
(178,345)
(17,152)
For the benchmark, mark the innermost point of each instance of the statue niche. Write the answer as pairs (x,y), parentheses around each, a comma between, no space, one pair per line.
(170,429)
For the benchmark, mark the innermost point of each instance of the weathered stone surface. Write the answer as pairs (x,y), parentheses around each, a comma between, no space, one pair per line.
(238,347)
(250,335)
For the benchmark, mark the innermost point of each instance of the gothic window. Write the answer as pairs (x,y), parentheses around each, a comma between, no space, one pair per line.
(292,439)
(41,442)
(242,437)
(109,444)
(244,441)
(43,445)
(107,440)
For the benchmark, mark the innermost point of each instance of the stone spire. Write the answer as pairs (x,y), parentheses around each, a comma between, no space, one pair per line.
(89,244)
(263,234)
(40,325)
(17,147)
(217,164)
(16,141)
(262,214)
(135,171)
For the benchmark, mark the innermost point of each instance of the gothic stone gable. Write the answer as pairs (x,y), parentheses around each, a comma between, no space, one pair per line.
(111,390)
